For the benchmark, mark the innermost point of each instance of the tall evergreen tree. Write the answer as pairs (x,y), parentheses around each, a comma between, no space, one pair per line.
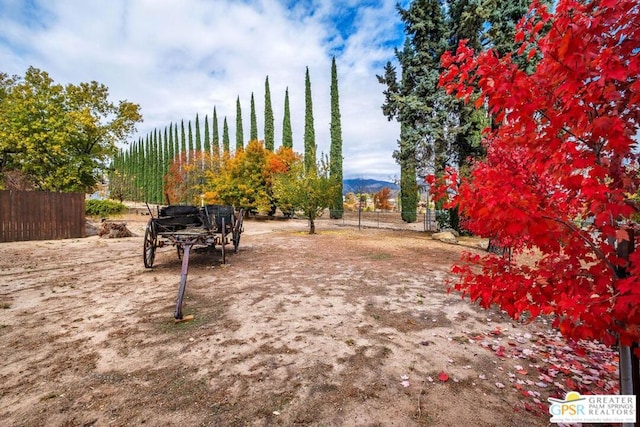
(335,153)
(166,160)
(287,134)
(215,144)
(176,142)
(172,145)
(183,141)
(190,142)
(198,146)
(253,136)
(155,166)
(140,170)
(207,137)
(148,169)
(225,138)
(421,107)
(309,131)
(239,131)
(269,139)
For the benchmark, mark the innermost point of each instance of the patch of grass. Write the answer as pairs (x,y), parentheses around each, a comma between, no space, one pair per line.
(380,256)
(461,339)
(5,306)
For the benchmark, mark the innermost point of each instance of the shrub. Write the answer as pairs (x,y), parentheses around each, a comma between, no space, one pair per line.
(103,208)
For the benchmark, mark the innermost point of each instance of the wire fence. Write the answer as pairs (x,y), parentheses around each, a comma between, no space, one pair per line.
(424,220)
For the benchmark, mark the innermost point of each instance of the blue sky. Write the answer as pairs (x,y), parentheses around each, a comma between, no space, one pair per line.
(181,58)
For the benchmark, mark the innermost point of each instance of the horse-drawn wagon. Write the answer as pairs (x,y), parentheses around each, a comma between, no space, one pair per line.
(187,227)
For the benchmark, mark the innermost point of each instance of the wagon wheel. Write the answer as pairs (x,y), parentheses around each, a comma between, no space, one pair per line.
(150,243)
(237,231)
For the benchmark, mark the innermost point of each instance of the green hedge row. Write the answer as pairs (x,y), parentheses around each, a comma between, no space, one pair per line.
(103,208)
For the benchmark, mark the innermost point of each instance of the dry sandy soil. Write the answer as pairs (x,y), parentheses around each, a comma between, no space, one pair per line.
(346,327)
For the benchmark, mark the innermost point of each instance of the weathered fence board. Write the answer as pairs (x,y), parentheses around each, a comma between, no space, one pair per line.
(36,215)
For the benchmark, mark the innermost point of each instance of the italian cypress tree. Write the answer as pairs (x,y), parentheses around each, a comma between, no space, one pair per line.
(176,143)
(153,161)
(190,142)
(225,138)
(309,132)
(198,147)
(408,178)
(287,134)
(207,137)
(148,169)
(157,154)
(215,146)
(183,141)
(139,170)
(172,146)
(239,131)
(269,140)
(335,153)
(168,145)
(254,121)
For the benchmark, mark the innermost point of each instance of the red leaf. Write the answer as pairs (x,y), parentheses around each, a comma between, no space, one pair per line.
(571,384)
(442,376)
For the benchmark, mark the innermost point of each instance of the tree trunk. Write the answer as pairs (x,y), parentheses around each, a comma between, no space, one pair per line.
(628,380)
(312,225)
(629,365)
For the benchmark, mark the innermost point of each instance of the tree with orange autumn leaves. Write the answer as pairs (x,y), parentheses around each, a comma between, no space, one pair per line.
(246,179)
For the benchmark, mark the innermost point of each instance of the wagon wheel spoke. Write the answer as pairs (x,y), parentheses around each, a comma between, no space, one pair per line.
(237,231)
(223,242)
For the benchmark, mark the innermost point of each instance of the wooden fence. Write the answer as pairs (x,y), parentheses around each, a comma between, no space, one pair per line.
(35,215)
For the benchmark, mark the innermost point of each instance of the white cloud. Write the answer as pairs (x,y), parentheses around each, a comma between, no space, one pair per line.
(177,59)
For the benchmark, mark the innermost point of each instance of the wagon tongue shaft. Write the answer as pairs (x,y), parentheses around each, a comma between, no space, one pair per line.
(183,280)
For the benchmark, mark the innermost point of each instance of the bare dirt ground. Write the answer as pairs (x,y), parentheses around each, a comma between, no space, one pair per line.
(347,327)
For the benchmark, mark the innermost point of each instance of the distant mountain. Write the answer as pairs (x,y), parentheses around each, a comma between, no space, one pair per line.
(360,185)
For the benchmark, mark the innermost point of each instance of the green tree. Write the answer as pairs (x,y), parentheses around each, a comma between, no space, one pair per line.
(417,102)
(60,138)
(269,138)
(207,137)
(253,136)
(183,140)
(309,132)
(225,138)
(172,148)
(215,146)
(190,154)
(155,165)
(166,153)
(239,131)
(148,169)
(198,146)
(309,190)
(335,159)
(287,134)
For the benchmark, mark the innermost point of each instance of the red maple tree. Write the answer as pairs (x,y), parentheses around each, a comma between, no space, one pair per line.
(560,171)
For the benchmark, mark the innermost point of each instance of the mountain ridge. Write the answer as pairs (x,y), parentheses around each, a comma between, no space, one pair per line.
(366,185)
